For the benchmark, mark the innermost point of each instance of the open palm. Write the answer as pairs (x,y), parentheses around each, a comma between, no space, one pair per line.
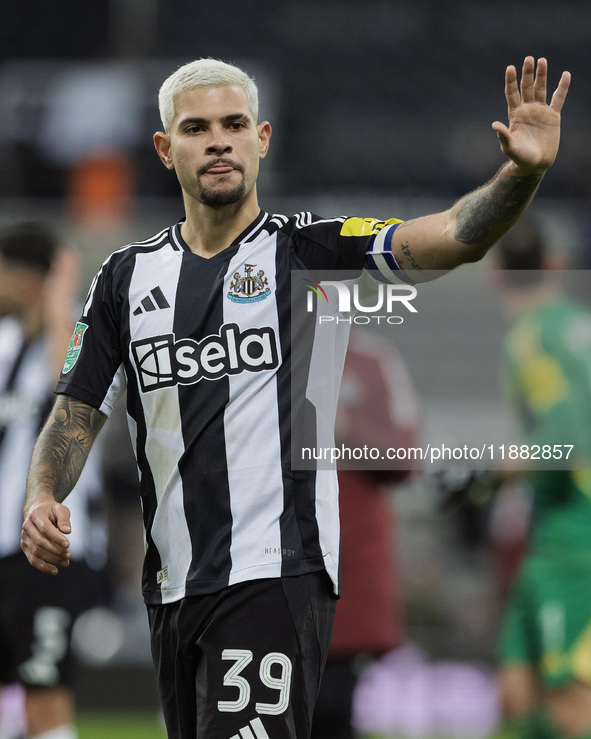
(532,137)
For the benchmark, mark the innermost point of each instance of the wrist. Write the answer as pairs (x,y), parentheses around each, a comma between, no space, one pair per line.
(513,170)
(34,501)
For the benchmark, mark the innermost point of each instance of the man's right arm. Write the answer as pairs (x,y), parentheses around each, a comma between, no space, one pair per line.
(57,461)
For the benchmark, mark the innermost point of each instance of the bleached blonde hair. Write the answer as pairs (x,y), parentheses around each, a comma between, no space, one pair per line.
(204,73)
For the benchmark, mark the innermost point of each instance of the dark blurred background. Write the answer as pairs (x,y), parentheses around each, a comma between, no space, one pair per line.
(374,103)
(379,108)
(378,96)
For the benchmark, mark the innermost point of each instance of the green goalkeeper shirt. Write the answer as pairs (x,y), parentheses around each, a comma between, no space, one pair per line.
(547,377)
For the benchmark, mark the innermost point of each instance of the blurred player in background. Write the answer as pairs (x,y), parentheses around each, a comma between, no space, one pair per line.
(378,407)
(38,289)
(545,648)
(241,570)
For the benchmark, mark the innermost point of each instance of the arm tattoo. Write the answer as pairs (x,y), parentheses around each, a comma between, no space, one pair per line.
(409,261)
(492,205)
(410,258)
(63,446)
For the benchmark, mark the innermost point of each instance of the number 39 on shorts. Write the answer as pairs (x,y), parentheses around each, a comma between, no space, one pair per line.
(279,681)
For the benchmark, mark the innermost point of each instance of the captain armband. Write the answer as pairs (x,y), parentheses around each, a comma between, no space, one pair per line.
(380,261)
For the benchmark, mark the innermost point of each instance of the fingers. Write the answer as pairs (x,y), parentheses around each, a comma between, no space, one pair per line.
(63,521)
(528,80)
(43,543)
(43,556)
(512,88)
(42,559)
(534,83)
(502,132)
(560,93)
(41,564)
(541,81)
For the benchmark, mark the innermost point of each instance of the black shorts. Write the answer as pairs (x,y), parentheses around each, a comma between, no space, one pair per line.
(245,661)
(37,613)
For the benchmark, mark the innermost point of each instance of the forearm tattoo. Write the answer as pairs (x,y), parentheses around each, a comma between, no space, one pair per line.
(483,210)
(63,447)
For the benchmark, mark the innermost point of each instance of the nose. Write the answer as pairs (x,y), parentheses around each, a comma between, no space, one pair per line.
(218,143)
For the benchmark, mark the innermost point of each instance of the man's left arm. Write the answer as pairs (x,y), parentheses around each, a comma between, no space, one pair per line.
(466,231)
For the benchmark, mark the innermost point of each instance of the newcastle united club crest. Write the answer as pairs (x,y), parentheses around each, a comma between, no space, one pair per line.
(249,288)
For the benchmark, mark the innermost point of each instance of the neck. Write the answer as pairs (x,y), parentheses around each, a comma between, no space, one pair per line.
(208,230)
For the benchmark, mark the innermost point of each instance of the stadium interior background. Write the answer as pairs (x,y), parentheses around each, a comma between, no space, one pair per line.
(379,108)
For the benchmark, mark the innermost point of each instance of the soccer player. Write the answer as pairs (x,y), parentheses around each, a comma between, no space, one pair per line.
(545,646)
(38,283)
(241,566)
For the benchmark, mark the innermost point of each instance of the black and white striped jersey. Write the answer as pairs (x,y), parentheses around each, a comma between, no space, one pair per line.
(204,347)
(25,400)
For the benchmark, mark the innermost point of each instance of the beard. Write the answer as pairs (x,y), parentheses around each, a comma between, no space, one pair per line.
(214,197)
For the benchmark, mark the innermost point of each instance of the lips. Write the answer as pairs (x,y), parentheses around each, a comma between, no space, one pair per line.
(220,169)
(220,166)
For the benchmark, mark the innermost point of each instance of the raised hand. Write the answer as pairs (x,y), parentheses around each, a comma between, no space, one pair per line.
(532,137)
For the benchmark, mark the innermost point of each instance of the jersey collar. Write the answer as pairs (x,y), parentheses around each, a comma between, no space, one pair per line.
(249,233)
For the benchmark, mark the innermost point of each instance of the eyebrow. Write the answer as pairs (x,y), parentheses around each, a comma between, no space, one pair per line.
(192,120)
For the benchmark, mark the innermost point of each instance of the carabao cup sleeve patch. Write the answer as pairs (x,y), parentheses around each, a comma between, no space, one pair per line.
(74,348)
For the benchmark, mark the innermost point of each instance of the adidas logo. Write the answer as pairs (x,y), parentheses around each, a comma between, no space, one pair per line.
(147,304)
(254,730)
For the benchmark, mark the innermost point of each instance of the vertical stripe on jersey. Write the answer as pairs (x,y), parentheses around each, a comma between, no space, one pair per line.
(116,387)
(299,527)
(324,381)
(137,425)
(203,468)
(163,445)
(136,422)
(254,480)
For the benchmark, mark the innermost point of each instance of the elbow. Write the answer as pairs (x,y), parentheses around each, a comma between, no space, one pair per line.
(475,253)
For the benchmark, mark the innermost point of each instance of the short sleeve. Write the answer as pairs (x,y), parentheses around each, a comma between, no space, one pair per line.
(348,243)
(93,367)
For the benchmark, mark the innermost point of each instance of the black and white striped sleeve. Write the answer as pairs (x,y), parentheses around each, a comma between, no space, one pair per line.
(93,368)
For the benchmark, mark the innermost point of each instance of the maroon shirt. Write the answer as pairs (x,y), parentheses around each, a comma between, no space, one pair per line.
(378,408)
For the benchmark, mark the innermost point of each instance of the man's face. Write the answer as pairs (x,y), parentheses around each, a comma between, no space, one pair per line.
(214,144)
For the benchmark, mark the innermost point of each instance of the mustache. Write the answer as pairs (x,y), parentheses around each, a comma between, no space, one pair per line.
(220,160)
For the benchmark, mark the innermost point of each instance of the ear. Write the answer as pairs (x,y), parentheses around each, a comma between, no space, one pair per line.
(264,130)
(162,144)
